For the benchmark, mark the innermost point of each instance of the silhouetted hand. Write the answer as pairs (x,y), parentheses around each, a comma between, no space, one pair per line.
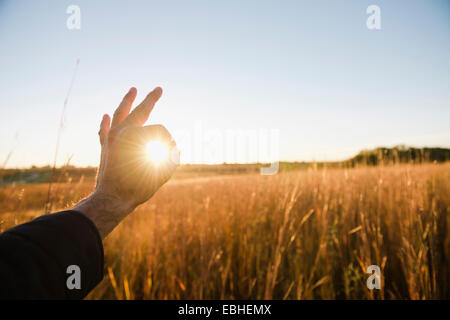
(127,175)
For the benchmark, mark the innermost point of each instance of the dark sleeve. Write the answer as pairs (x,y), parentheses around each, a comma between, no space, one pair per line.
(35,256)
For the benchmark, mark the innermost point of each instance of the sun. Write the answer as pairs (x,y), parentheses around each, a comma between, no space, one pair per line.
(157,151)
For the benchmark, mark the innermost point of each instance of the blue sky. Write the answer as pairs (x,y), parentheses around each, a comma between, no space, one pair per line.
(310,69)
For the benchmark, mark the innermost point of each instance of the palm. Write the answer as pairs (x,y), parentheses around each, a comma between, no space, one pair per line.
(125,169)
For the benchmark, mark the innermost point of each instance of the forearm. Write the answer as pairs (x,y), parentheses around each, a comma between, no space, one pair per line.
(105,211)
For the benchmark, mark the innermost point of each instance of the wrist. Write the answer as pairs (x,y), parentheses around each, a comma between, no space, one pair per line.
(110,201)
(105,210)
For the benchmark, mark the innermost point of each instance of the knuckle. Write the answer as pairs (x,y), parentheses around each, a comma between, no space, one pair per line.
(127,132)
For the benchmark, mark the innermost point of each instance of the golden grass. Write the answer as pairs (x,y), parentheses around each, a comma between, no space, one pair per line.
(300,235)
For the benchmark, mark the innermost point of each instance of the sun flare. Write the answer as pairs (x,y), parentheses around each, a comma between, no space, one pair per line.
(157,151)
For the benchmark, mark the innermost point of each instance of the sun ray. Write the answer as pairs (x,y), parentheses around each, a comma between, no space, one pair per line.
(157,152)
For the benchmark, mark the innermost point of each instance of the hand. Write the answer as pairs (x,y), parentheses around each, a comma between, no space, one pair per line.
(127,177)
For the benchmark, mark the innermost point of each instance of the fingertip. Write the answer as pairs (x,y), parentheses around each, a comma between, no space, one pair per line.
(158,91)
(131,94)
(155,94)
(106,119)
(132,90)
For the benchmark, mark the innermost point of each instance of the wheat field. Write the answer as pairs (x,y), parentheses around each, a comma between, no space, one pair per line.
(307,234)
